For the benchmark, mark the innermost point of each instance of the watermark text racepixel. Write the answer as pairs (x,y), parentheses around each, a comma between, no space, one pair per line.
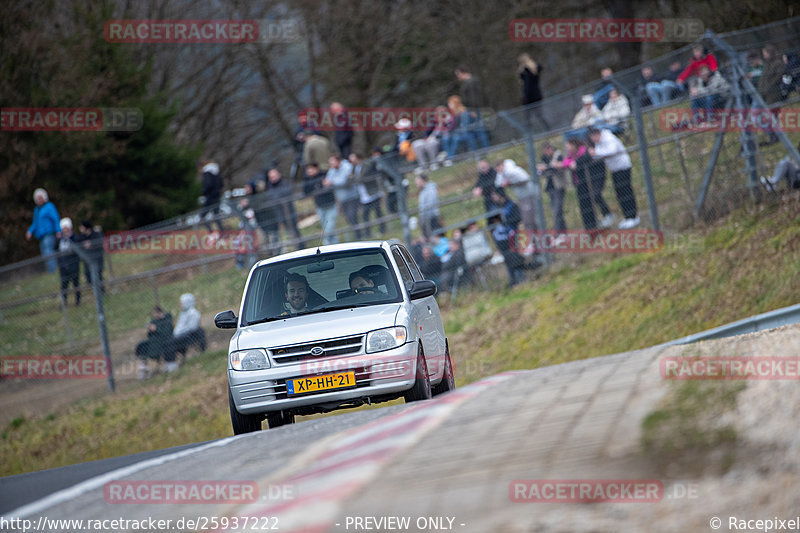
(729,368)
(547,30)
(181,242)
(71,119)
(53,367)
(586,490)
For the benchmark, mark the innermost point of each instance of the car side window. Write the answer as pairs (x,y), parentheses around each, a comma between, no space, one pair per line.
(405,273)
(412,265)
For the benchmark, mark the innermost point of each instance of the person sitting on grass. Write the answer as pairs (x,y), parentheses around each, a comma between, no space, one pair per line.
(159,336)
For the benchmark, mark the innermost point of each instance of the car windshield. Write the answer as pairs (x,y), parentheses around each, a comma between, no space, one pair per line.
(320,283)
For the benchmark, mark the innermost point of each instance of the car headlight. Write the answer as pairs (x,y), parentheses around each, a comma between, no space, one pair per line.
(385,339)
(255,359)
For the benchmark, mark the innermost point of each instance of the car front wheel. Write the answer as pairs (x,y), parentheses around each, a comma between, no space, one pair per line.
(243,423)
(422,383)
(279,418)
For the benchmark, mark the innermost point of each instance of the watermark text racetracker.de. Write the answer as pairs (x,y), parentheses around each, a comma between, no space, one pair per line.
(181,242)
(53,367)
(71,119)
(729,368)
(620,30)
(592,241)
(586,490)
(43,524)
(208,31)
(730,120)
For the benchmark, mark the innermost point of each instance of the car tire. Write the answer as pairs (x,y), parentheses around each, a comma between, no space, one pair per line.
(279,418)
(422,383)
(448,382)
(243,423)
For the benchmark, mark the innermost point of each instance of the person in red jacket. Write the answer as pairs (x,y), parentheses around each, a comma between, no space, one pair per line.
(700,57)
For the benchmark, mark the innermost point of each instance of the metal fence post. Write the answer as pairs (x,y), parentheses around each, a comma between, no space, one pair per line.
(97,290)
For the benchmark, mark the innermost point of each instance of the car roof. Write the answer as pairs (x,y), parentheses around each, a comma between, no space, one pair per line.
(359,245)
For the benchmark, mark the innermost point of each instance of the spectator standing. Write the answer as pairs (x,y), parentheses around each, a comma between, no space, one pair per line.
(487,176)
(369,191)
(211,193)
(472,97)
(755,66)
(428,205)
(553,171)
(609,148)
(506,230)
(265,212)
(187,332)
(430,265)
(45,227)
(769,85)
(68,262)
(91,240)
(345,189)
(519,181)
(302,131)
(529,73)
(316,150)
(315,183)
(279,189)
(576,161)
(343,138)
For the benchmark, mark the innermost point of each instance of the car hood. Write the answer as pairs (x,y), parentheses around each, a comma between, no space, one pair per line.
(328,325)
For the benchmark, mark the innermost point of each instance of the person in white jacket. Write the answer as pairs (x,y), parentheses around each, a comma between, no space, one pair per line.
(187,332)
(519,181)
(609,148)
(616,112)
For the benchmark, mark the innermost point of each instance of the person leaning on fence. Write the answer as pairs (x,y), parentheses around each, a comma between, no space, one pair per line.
(577,161)
(369,191)
(211,192)
(91,240)
(557,180)
(345,189)
(503,232)
(159,337)
(68,262)
(187,333)
(769,84)
(608,147)
(519,181)
(45,227)
(428,205)
(286,215)
(315,183)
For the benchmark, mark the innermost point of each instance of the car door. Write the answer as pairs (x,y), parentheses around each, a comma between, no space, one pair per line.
(428,312)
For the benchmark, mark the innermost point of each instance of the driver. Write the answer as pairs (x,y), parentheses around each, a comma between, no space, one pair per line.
(361,283)
(296,294)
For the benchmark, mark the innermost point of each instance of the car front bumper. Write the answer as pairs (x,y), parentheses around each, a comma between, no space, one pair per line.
(383,373)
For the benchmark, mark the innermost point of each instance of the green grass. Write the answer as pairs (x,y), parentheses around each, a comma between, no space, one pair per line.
(747,264)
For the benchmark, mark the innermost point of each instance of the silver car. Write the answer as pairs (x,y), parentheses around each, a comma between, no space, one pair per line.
(333,327)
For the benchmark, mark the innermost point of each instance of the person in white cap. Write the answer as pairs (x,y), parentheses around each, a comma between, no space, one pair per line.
(405,136)
(68,263)
(588,114)
(45,227)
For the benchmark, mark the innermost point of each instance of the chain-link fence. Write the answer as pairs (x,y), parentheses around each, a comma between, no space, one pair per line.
(463,236)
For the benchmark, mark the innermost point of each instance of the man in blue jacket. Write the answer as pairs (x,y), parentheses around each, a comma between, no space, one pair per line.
(45,227)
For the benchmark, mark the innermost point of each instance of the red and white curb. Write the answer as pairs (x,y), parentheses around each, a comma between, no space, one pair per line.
(355,458)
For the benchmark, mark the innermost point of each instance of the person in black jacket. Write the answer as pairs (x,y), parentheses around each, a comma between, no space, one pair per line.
(529,73)
(278,189)
(316,183)
(485,184)
(212,192)
(503,233)
(343,137)
(68,262)
(91,239)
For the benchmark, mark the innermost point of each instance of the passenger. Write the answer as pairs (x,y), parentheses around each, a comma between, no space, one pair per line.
(296,294)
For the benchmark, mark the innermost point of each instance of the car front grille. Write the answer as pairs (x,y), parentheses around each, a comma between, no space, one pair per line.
(297,353)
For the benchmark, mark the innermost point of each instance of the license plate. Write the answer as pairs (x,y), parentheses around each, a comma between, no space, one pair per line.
(325,382)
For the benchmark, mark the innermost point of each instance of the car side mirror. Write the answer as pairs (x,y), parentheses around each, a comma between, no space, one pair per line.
(422,289)
(226,320)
